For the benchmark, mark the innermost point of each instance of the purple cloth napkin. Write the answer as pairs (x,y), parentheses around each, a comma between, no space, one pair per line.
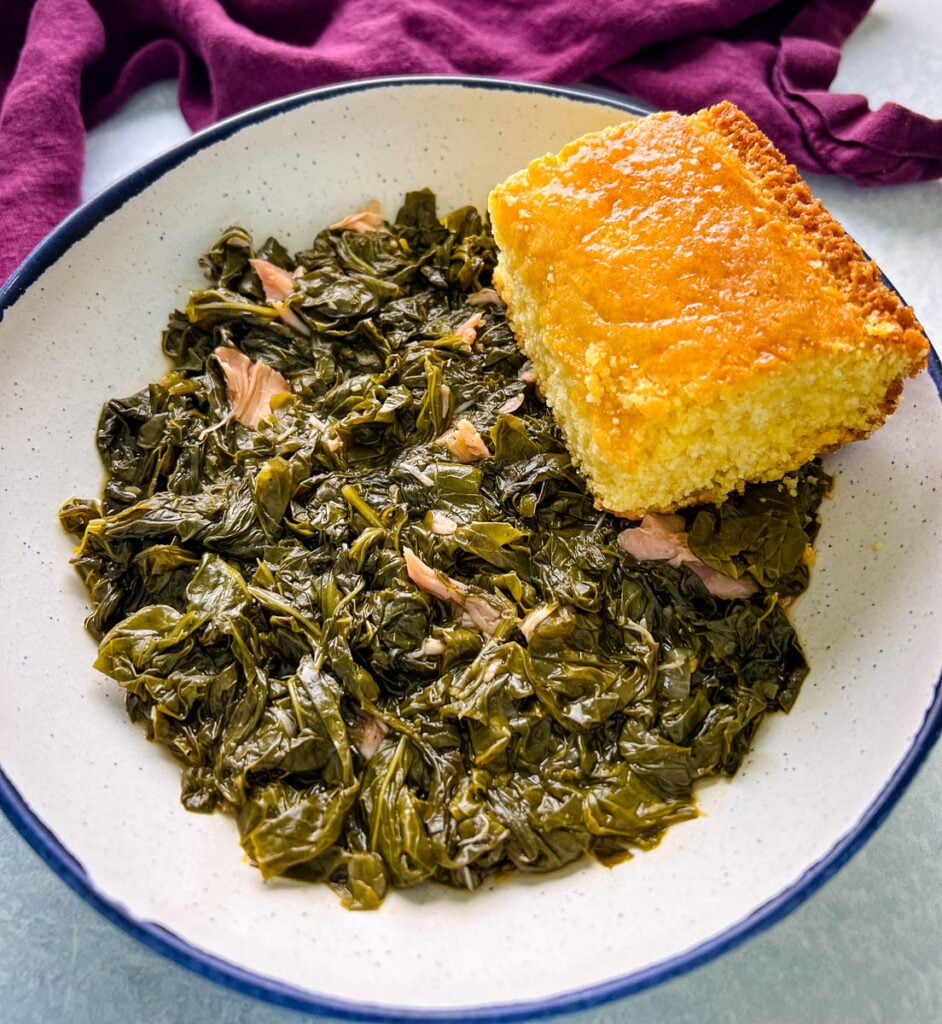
(66,64)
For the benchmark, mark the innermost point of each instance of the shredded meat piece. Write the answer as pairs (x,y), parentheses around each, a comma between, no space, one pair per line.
(659,537)
(427,579)
(512,404)
(443,525)
(480,613)
(468,331)
(368,219)
(464,442)
(477,610)
(278,285)
(662,538)
(484,297)
(368,733)
(333,441)
(292,319)
(721,585)
(250,386)
(534,618)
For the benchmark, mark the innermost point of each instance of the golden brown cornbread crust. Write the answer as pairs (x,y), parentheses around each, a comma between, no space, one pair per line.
(779,181)
(682,364)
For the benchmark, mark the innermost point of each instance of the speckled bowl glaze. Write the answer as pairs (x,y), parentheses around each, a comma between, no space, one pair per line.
(82,321)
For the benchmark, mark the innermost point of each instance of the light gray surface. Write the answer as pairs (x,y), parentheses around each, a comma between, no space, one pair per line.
(865,948)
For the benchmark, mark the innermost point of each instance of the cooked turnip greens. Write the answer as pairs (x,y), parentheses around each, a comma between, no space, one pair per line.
(385,627)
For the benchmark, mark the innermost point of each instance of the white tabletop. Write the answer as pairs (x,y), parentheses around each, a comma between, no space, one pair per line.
(867,947)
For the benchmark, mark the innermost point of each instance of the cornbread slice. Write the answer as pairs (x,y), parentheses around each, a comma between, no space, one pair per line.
(695,319)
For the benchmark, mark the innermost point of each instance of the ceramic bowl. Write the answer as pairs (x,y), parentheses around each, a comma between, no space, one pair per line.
(82,321)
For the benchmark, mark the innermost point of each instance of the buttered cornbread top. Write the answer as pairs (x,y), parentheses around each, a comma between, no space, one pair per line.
(696,320)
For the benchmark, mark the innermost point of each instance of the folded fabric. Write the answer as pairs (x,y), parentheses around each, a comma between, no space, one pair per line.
(67,64)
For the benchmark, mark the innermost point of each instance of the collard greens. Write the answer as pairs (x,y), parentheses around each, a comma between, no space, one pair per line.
(251,591)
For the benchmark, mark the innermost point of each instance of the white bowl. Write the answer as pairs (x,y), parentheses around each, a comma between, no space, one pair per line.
(81,322)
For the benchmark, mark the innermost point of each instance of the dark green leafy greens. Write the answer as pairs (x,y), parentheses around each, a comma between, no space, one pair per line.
(764,532)
(540,697)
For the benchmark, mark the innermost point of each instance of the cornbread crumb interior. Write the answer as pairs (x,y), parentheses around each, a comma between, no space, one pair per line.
(695,319)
